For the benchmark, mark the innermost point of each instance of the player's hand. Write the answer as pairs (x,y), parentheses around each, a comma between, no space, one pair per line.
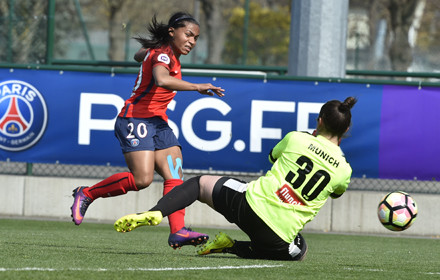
(208,89)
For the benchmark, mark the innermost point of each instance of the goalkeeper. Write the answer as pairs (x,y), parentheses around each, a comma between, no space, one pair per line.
(272,210)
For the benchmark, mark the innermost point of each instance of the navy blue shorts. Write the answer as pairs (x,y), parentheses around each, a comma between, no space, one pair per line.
(139,134)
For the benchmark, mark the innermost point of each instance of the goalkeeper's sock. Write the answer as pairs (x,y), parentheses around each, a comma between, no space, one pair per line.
(178,198)
(114,185)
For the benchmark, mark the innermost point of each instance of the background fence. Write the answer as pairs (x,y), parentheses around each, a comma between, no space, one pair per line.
(101,172)
(232,32)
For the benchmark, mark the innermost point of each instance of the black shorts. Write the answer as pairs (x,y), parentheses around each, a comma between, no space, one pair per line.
(229,199)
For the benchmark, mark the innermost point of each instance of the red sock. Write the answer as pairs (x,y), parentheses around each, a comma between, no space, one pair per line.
(177,219)
(114,185)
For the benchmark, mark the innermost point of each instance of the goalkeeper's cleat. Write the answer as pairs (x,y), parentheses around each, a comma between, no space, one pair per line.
(185,236)
(221,242)
(80,204)
(132,221)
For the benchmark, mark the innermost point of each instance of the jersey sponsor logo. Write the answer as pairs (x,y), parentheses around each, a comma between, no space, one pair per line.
(164,58)
(287,195)
(23,115)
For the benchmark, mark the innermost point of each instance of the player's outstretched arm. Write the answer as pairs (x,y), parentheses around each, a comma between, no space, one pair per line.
(209,89)
(163,79)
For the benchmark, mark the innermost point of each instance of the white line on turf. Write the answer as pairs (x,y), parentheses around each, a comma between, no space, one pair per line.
(382,270)
(2,269)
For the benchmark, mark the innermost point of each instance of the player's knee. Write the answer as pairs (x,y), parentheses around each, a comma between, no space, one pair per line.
(208,180)
(143,182)
(202,180)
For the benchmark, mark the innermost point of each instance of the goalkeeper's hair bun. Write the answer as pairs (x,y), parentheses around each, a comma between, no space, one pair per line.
(336,115)
(347,104)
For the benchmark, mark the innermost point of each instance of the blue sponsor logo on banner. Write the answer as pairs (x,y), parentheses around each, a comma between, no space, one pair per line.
(23,115)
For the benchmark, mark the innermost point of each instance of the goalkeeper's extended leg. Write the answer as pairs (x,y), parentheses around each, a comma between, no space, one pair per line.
(178,198)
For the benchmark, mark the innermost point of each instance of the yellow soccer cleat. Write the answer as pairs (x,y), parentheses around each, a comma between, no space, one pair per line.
(132,221)
(221,242)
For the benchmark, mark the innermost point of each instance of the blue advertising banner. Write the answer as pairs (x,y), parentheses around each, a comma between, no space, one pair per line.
(67,117)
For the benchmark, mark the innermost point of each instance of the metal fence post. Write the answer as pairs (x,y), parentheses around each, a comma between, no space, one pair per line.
(245,32)
(29,169)
(50,31)
(10,24)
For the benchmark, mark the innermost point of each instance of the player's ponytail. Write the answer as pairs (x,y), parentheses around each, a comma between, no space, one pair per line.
(159,32)
(158,35)
(336,116)
(346,106)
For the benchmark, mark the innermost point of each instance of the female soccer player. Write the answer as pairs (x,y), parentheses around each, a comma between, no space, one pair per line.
(147,142)
(273,209)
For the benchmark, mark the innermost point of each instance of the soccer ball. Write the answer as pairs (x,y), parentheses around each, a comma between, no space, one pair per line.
(397,211)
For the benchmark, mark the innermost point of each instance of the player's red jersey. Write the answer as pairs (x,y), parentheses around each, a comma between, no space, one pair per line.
(147,99)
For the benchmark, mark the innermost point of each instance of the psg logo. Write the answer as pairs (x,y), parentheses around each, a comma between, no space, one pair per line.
(23,115)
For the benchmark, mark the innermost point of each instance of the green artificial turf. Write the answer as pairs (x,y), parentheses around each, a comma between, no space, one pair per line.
(36,249)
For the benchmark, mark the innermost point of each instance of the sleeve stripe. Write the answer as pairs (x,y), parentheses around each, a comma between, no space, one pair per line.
(335,195)
(271,158)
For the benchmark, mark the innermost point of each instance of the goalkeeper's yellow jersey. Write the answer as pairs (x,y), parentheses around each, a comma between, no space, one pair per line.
(306,170)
